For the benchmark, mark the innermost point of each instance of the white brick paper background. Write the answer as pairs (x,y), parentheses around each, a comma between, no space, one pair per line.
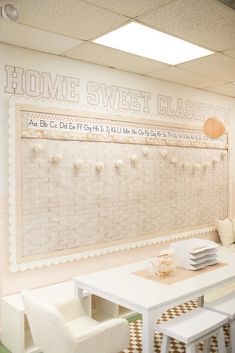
(65,208)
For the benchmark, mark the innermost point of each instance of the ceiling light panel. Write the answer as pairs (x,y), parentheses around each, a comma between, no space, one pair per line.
(147,42)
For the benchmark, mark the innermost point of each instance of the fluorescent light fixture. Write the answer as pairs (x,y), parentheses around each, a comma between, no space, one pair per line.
(144,41)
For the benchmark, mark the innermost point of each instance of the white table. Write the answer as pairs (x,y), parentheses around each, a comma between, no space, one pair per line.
(151,298)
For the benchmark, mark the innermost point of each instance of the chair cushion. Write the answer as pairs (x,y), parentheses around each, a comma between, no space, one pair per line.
(225,230)
(111,336)
(81,324)
(71,308)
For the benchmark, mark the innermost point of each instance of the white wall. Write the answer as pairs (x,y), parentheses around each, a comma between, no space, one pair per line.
(30,60)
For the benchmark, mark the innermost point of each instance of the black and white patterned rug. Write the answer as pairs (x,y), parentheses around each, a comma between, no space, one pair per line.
(175,346)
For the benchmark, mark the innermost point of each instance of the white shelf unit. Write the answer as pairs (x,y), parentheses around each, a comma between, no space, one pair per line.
(16,335)
(125,313)
(103,309)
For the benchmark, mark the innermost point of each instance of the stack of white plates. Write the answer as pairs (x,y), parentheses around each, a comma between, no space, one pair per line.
(194,254)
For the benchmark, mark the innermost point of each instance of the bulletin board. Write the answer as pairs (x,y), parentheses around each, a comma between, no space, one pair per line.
(85,183)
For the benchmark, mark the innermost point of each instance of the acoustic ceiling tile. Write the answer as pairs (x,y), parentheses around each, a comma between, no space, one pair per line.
(228,89)
(187,78)
(72,18)
(207,23)
(230,52)
(219,66)
(33,38)
(102,55)
(131,8)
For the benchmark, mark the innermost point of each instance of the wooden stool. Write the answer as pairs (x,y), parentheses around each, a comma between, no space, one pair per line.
(191,328)
(226,306)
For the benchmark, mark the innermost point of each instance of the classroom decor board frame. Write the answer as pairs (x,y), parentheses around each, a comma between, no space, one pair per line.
(84,185)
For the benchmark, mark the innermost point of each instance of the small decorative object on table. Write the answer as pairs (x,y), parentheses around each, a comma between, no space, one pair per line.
(163,264)
(166,265)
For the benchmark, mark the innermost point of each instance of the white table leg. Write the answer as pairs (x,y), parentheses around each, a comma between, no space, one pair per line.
(207,345)
(77,290)
(200,301)
(165,344)
(191,348)
(86,300)
(232,335)
(220,341)
(148,324)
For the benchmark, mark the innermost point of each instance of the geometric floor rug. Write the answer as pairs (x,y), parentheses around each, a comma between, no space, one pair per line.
(175,346)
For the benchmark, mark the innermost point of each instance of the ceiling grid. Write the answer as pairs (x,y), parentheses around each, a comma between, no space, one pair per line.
(68,27)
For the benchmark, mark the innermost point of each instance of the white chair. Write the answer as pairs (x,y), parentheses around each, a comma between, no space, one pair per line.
(226,306)
(68,330)
(193,327)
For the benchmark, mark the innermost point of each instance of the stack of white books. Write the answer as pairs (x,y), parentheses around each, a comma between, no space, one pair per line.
(194,254)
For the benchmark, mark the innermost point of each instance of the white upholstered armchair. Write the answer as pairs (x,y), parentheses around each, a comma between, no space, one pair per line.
(66,329)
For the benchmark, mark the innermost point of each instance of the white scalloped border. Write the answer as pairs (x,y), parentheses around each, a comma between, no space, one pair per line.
(14,267)
(30,265)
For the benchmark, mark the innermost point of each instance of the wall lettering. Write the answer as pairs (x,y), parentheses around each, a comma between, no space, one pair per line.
(32,83)
(38,122)
(190,110)
(116,97)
